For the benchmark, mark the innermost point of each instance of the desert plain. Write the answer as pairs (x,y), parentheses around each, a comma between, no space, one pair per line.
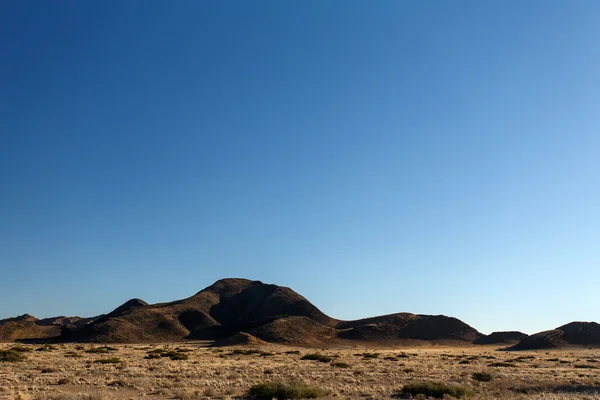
(196,370)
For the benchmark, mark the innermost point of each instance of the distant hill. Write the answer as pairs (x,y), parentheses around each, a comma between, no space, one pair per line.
(501,338)
(234,311)
(572,334)
(29,327)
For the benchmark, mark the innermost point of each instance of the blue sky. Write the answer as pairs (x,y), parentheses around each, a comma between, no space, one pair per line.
(377,157)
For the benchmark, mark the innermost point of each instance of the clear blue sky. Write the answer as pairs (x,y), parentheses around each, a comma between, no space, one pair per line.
(377,157)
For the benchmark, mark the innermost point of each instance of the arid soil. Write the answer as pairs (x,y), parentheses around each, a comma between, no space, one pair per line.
(161,371)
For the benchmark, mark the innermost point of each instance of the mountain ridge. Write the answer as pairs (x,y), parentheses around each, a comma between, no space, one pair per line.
(242,310)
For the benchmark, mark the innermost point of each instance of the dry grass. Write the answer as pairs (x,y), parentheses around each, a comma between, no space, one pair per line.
(229,373)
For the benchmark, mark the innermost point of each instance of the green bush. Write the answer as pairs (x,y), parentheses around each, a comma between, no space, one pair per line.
(432,389)
(11,356)
(482,376)
(280,391)
(317,357)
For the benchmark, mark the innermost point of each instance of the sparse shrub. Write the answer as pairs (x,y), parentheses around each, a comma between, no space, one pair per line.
(280,391)
(21,349)
(482,376)
(317,357)
(173,355)
(403,355)
(65,381)
(100,350)
(371,355)
(585,366)
(408,370)
(46,347)
(293,352)
(522,359)
(176,356)
(340,365)
(113,360)
(432,389)
(501,364)
(11,356)
(244,352)
(464,362)
(180,350)
(73,354)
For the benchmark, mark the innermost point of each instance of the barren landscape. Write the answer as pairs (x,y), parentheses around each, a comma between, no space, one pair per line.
(241,339)
(193,371)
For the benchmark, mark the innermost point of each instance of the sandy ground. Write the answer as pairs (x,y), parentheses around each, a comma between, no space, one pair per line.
(71,372)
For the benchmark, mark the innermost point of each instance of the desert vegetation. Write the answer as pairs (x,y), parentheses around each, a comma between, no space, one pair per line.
(194,370)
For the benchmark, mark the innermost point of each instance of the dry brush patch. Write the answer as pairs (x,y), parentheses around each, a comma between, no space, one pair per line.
(189,371)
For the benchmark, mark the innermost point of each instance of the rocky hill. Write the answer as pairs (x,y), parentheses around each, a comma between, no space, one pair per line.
(572,334)
(231,310)
(501,338)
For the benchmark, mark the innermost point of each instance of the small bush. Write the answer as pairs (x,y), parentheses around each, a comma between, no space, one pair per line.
(100,350)
(432,389)
(317,357)
(501,364)
(242,352)
(482,376)
(113,360)
(280,391)
(340,365)
(176,356)
(585,366)
(11,356)
(371,355)
(173,355)
(65,381)
(21,349)
(46,347)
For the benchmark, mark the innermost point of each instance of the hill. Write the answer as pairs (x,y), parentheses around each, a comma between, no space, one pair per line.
(231,310)
(501,338)
(572,334)
(29,327)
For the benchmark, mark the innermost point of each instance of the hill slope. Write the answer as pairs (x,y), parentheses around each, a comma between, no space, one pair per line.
(501,338)
(572,334)
(231,307)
